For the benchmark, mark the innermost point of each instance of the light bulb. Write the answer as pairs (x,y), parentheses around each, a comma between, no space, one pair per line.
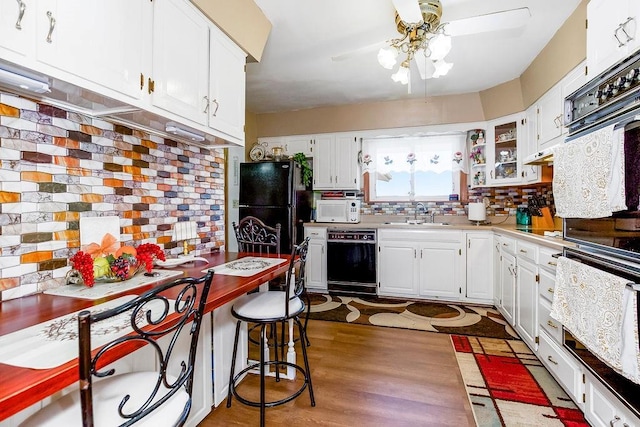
(442,68)
(402,75)
(387,57)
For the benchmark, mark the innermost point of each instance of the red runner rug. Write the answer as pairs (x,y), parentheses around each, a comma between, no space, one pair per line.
(508,386)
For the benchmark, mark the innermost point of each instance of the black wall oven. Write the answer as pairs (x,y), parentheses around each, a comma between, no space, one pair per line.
(610,244)
(351,261)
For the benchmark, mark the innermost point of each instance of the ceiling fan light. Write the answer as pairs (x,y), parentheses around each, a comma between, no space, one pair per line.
(387,57)
(402,75)
(440,46)
(442,68)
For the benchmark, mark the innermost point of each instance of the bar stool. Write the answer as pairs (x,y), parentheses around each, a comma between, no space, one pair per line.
(149,398)
(271,308)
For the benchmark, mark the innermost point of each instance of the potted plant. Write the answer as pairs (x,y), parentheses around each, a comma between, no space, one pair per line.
(307,172)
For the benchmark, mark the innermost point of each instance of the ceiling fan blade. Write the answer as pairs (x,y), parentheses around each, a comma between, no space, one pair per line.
(359,51)
(409,10)
(496,21)
(424,64)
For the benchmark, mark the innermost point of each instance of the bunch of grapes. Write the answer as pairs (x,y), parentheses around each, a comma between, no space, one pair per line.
(83,262)
(120,267)
(146,253)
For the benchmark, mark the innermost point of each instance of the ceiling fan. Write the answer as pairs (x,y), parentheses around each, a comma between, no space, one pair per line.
(426,40)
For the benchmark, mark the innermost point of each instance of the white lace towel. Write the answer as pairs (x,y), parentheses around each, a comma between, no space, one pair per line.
(588,175)
(601,312)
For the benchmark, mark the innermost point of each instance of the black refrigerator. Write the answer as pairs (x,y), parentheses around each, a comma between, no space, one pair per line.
(274,193)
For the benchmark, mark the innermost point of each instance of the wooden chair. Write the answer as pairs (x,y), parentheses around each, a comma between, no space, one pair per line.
(156,398)
(253,235)
(268,309)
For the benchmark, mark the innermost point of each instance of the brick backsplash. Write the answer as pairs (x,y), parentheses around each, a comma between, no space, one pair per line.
(57,165)
(502,201)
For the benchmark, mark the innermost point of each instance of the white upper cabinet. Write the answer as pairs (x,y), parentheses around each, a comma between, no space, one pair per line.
(104,42)
(227,85)
(335,163)
(505,136)
(17,28)
(550,113)
(612,33)
(180,74)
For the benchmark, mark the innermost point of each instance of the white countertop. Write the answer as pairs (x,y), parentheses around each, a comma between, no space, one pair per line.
(495,224)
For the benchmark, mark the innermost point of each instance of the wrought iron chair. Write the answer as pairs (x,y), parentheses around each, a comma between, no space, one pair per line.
(160,397)
(253,235)
(271,308)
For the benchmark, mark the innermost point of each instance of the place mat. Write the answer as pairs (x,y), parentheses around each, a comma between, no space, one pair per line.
(247,266)
(55,342)
(103,289)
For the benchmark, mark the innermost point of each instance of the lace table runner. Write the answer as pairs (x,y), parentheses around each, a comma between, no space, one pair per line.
(247,266)
(103,289)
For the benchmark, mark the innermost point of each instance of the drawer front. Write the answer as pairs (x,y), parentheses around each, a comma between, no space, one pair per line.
(527,251)
(546,259)
(508,244)
(315,233)
(549,324)
(547,284)
(563,367)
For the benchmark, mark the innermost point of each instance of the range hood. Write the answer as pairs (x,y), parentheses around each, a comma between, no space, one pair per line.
(543,157)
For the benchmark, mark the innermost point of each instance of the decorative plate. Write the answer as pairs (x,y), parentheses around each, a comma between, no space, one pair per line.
(257,153)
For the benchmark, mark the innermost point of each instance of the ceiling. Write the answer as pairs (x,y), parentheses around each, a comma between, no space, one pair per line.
(324,53)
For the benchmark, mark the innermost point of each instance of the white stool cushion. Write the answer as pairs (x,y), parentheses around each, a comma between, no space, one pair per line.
(266,305)
(107,395)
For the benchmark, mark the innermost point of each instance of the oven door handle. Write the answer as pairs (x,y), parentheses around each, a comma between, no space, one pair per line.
(625,122)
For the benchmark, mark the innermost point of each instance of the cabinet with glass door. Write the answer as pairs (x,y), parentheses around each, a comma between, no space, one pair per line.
(503,162)
(477,144)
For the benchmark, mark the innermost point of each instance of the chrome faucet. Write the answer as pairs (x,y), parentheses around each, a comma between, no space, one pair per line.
(424,208)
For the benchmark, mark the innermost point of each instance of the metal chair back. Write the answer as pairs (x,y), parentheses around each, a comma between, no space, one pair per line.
(166,311)
(253,235)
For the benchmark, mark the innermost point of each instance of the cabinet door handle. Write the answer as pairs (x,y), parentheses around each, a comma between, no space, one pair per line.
(215,112)
(524,251)
(615,34)
(52,25)
(21,9)
(550,323)
(151,86)
(623,27)
(550,290)
(141,81)
(550,359)
(206,105)
(552,264)
(614,420)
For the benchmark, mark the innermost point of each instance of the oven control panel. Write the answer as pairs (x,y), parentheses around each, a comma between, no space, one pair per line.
(334,235)
(613,90)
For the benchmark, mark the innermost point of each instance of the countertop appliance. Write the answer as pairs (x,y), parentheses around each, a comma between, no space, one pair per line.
(273,192)
(610,244)
(345,210)
(351,261)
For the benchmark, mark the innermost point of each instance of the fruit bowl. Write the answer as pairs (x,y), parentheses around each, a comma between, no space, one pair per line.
(125,274)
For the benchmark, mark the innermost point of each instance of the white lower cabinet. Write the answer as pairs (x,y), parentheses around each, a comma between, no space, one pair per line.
(397,266)
(527,277)
(566,370)
(440,272)
(316,268)
(603,409)
(420,263)
(479,266)
(507,277)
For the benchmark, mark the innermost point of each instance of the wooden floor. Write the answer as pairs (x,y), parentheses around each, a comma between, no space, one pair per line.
(367,376)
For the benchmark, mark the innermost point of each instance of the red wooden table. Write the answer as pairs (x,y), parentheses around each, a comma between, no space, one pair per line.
(22,387)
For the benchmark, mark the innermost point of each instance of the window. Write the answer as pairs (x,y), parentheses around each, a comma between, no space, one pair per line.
(415,167)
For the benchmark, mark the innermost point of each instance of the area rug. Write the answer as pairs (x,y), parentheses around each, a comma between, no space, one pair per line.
(429,316)
(508,386)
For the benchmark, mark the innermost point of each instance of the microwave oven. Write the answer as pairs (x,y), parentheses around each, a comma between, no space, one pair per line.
(339,211)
